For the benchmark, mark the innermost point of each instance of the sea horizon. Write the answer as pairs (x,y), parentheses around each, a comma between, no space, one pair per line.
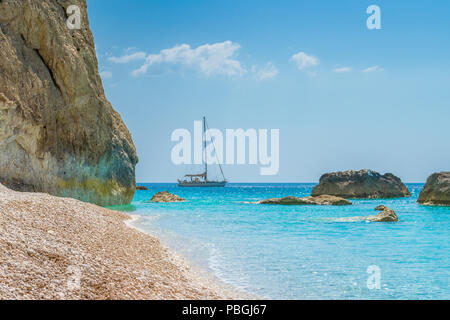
(306,252)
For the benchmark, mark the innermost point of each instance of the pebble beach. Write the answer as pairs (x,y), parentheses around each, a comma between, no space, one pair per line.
(62,248)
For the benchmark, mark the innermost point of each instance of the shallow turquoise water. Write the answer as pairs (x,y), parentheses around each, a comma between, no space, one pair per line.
(304,252)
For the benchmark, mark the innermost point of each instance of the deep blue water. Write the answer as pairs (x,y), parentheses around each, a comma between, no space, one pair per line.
(304,252)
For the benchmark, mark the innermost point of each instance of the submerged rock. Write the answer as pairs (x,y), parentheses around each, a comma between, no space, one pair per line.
(437,190)
(166,196)
(361,184)
(141,188)
(386,215)
(318,200)
(58,132)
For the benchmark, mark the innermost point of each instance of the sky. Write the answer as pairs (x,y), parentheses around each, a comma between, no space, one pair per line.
(342,96)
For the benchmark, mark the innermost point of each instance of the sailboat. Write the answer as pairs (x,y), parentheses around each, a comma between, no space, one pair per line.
(201,179)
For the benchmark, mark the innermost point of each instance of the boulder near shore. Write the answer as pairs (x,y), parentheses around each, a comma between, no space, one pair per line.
(62,248)
(386,215)
(59,133)
(361,184)
(436,190)
(166,196)
(317,200)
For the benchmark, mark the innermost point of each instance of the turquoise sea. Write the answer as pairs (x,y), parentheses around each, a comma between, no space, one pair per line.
(304,252)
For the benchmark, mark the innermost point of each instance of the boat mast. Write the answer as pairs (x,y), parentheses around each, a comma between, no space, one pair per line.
(204,148)
(215,152)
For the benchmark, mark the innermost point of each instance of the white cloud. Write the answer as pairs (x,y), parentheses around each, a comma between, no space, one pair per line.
(342,69)
(268,72)
(373,69)
(208,59)
(128,58)
(303,61)
(106,74)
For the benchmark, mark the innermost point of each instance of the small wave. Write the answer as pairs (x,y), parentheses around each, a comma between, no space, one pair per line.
(346,219)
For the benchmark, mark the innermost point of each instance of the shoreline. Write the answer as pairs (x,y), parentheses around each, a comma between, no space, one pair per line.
(62,248)
(199,273)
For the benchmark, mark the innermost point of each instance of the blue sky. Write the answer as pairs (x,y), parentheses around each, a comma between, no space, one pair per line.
(354,98)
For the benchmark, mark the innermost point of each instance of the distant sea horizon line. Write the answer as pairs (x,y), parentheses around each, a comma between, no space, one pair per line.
(230,182)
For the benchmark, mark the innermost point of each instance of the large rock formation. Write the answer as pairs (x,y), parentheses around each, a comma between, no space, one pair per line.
(361,184)
(58,132)
(437,190)
(319,200)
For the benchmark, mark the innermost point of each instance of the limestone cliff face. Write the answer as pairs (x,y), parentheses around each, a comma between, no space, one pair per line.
(58,132)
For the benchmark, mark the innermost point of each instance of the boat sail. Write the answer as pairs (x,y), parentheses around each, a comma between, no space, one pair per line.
(201,179)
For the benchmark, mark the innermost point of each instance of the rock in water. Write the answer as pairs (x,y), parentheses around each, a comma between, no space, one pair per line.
(386,215)
(318,200)
(58,132)
(437,190)
(141,188)
(361,184)
(166,196)
(380,208)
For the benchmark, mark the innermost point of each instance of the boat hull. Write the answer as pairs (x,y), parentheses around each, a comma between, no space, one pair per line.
(203,184)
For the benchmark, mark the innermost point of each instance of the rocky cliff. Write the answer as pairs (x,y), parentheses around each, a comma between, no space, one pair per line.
(58,132)
(361,184)
(437,190)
